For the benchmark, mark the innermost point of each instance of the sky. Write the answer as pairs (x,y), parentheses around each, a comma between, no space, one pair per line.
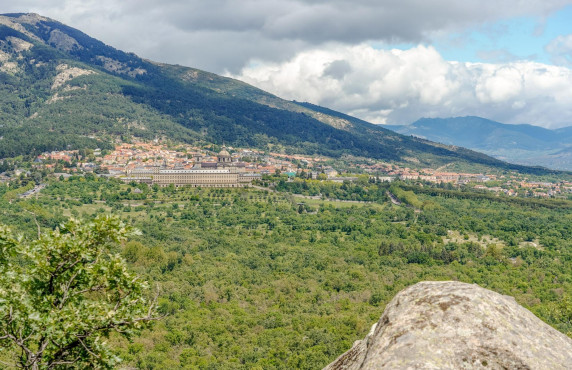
(385,61)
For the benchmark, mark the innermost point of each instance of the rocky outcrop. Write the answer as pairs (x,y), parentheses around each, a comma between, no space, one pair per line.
(116,66)
(63,41)
(452,325)
(67,73)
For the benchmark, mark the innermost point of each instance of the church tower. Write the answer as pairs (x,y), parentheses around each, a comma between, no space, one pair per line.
(224,157)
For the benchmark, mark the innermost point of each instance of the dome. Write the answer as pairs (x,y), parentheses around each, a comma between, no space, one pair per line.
(224,157)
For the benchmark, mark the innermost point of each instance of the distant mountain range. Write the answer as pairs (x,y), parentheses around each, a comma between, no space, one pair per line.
(61,89)
(524,144)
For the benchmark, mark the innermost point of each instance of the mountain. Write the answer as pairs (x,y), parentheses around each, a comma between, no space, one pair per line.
(525,144)
(63,89)
(566,132)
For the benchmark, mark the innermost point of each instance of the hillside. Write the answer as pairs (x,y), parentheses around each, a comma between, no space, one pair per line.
(63,89)
(525,144)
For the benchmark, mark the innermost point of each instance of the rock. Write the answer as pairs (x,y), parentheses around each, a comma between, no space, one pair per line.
(452,325)
(63,41)
(67,73)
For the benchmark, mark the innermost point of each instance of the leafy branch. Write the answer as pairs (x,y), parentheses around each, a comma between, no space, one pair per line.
(63,293)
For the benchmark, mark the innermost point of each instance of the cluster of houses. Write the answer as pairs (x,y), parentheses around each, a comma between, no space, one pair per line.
(155,163)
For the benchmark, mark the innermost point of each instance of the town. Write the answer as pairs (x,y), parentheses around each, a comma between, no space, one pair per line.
(226,166)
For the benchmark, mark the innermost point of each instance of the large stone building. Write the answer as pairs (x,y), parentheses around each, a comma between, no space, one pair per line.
(193,177)
(223,173)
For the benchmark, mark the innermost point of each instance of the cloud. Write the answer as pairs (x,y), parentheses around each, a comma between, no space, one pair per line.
(498,84)
(399,86)
(220,35)
(561,50)
(338,69)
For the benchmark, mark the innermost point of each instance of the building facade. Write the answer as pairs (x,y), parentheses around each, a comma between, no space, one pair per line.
(223,173)
(214,178)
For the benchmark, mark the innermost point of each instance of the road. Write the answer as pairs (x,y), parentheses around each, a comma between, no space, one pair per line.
(33,191)
(393,198)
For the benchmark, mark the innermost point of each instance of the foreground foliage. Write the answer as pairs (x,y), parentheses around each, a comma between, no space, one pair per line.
(62,294)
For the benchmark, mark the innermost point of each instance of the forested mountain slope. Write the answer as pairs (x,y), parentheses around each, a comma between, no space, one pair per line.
(63,89)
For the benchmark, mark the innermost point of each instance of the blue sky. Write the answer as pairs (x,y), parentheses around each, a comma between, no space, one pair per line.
(510,39)
(519,38)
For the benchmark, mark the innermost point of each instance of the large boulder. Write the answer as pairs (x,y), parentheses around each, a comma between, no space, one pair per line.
(452,325)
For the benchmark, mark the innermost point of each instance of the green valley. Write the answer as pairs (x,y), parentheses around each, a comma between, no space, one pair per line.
(251,278)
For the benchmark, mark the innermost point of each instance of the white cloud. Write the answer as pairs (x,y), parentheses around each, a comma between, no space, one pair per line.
(499,84)
(220,35)
(399,86)
(561,50)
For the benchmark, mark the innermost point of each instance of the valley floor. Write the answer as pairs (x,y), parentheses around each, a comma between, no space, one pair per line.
(254,278)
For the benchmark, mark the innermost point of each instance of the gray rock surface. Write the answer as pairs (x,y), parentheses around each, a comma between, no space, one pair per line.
(452,325)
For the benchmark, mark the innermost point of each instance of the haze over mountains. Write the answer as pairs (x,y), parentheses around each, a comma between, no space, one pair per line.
(63,89)
(524,144)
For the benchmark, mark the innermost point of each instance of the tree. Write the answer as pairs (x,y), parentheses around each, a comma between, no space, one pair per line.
(363,180)
(62,294)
